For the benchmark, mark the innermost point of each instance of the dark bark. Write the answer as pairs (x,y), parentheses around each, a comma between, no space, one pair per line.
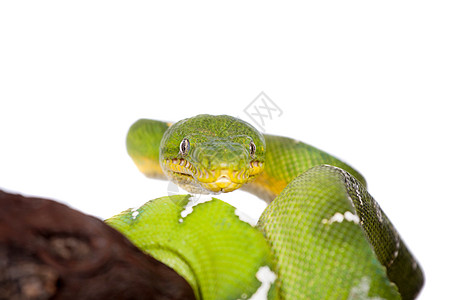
(50,251)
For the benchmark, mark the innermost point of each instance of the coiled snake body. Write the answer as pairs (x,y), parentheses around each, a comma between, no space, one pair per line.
(322,235)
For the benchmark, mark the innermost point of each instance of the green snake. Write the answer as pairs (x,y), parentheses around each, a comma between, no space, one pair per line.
(322,236)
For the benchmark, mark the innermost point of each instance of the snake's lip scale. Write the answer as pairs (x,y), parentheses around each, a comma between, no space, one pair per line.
(221,185)
(215,180)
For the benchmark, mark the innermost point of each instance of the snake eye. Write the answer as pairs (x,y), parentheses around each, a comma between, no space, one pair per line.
(184,146)
(252,149)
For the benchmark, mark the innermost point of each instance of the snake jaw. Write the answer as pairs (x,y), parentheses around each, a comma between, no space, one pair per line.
(201,180)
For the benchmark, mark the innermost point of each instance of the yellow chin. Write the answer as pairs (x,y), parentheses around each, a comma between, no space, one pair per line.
(223,184)
(203,181)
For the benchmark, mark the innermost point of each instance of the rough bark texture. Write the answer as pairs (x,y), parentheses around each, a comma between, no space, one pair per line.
(48,250)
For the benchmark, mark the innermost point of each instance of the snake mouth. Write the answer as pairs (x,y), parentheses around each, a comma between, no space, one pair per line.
(215,180)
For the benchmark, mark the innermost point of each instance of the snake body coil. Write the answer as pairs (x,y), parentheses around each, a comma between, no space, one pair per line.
(322,235)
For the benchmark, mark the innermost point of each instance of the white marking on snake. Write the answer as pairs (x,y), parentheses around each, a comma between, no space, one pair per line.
(358,193)
(396,251)
(339,218)
(135,212)
(267,278)
(351,217)
(193,201)
(245,218)
(378,212)
(350,180)
(361,291)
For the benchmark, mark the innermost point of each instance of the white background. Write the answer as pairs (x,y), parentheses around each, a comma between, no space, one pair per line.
(366,82)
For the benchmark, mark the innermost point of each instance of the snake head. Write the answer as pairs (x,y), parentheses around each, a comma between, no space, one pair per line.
(212,154)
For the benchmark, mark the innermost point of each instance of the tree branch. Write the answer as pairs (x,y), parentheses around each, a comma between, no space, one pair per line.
(48,250)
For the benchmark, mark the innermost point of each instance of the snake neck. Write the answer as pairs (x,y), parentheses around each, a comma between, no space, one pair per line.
(287,158)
